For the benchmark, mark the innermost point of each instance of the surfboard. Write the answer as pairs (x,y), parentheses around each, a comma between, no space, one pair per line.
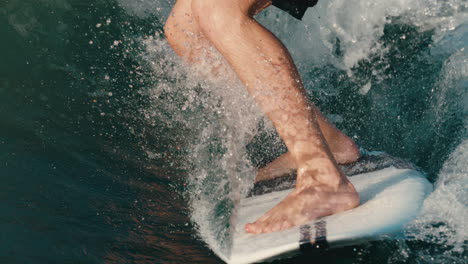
(391,191)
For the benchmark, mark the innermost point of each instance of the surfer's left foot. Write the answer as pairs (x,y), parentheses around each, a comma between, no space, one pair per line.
(312,198)
(343,149)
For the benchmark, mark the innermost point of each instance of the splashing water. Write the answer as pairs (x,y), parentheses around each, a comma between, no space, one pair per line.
(103,127)
(392,74)
(443,218)
(217,122)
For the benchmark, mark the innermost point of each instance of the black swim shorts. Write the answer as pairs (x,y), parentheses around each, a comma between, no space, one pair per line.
(295,8)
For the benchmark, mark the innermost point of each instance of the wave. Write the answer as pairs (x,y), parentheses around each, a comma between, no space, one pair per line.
(392,74)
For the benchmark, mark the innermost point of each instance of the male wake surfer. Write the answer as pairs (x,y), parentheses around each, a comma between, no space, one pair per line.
(266,69)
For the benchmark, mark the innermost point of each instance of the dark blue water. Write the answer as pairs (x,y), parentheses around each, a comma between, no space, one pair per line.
(113,151)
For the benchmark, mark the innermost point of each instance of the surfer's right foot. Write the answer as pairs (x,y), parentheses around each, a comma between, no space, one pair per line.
(321,190)
(343,149)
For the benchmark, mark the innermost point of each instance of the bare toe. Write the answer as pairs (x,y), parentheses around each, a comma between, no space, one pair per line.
(251,228)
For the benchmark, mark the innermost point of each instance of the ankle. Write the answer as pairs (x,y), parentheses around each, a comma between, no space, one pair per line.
(345,150)
(326,174)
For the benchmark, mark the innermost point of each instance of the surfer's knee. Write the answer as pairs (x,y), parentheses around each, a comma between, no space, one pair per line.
(177,22)
(216,17)
(169,30)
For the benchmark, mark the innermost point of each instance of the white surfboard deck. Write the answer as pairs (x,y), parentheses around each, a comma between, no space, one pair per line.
(390,196)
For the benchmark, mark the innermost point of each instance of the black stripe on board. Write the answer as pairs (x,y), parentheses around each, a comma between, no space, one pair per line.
(320,239)
(321,235)
(304,242)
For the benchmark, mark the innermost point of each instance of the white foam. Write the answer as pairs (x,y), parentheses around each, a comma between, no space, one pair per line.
(359,24)
(444,216)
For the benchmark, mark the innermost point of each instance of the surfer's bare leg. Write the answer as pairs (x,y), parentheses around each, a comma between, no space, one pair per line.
(266,68)
(187,39)
(343,149)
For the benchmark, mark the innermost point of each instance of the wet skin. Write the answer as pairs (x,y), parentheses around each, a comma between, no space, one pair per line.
(267,71)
